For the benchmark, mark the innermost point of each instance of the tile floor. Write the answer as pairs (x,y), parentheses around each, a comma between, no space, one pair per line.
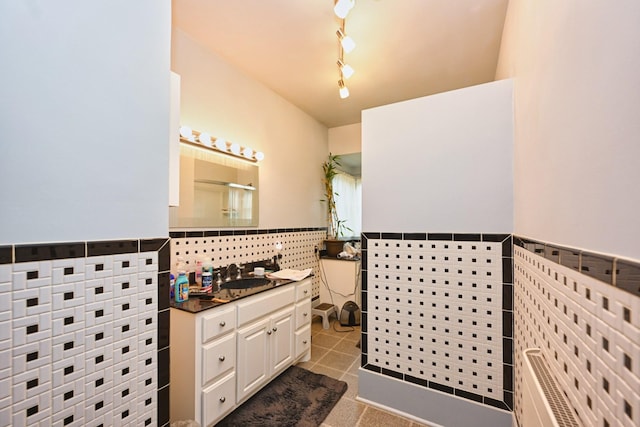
(335,354)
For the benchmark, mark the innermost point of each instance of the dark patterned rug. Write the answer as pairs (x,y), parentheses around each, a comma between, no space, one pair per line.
(297,397)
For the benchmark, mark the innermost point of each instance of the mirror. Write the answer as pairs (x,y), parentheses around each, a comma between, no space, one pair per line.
(215,191)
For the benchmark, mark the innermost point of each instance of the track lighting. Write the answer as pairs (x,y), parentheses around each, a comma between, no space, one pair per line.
(347,42)
(345,45)
(342,8)
(344,91)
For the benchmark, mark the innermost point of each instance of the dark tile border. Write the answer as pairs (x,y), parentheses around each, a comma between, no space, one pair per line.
(507,241)
(6,254)
(48,252)
(180,234)
(613,271)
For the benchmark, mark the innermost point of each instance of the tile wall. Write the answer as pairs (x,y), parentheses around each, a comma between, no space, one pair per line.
(583,311)
(85,333)
(243,246)
(438,312)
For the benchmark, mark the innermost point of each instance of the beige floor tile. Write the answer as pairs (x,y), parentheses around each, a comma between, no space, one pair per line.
(373,417)
(352,383)
(345,414)
(348,347)
(324,340)
(317,353)
(353,336)
(325,370)
(340,361)
(353,369)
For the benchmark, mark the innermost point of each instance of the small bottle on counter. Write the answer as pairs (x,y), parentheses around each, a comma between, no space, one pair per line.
(172,286)
(198,271)
(182,287)
(207,282)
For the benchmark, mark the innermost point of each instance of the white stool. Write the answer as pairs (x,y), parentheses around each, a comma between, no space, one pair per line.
(324,310)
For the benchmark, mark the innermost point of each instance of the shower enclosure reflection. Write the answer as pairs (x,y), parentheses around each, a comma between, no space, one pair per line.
(215,191)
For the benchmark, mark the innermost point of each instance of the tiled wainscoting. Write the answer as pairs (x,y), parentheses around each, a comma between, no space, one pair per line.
(242,246)
(85,333)
(437,312)
(583,311)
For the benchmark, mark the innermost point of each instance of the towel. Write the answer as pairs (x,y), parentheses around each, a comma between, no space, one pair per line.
(288,274)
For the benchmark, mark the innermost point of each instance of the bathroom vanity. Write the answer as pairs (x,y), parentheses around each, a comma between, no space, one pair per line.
(223,353)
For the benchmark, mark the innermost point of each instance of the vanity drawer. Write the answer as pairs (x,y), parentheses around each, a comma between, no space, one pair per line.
(303,289)
(218,322)
(218,358)
(265,303)
(218,400)
(303,340)
(303,313)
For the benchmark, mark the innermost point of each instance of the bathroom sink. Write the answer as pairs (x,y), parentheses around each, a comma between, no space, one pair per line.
(247,283)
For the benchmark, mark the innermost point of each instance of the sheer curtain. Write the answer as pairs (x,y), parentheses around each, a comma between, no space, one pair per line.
(349,202)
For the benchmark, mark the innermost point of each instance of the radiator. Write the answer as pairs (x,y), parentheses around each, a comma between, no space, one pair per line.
(543,403)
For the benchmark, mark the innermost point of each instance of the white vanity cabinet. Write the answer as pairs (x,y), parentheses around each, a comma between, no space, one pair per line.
(222,356)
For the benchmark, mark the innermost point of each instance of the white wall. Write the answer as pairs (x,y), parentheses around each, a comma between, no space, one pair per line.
(225,102)
(577,121)
(84,99)
(345,139)
(440,163)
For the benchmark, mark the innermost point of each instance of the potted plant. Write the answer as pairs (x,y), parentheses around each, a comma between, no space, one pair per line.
(335,226)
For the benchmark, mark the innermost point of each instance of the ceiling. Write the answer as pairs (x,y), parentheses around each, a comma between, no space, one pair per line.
(405,48)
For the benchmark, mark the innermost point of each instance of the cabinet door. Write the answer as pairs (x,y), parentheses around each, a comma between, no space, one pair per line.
(253,357)
(281,340)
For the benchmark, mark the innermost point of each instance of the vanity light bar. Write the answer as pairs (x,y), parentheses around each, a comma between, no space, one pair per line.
(218,145)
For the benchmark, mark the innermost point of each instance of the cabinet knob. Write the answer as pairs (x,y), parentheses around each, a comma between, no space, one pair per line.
(306,291)
(304,342)
(221,358)
(223,323)
(305,314)
(223,399)
(269,332)
(275,329)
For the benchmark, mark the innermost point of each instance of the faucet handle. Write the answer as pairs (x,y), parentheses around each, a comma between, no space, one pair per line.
(239,275)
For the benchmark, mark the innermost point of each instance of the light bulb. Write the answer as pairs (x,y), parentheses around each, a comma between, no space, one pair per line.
(342,8)
(205,139)
(247,152)
(259,156)
(347,44)
(235,148)
(221,144)
(186,132)
(346,69)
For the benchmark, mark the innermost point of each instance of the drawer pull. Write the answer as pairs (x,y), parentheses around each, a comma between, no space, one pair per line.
(275,329)
(305,314)
(304,342)
(269,332)
(223,323)
(223,399)
(306,291)
(221,358)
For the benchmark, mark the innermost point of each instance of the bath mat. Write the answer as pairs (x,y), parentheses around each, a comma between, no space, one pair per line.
(297,397)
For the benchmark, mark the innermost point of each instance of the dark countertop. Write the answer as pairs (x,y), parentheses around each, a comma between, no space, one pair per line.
(340,259)
(201,302)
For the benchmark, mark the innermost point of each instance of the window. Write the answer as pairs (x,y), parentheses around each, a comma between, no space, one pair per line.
(349,202)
